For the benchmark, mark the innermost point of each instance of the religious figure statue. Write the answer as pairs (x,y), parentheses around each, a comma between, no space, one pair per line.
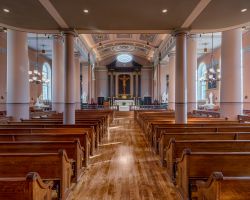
(164,97)
(124,83)
(209,102)
(84,97)
(210,96)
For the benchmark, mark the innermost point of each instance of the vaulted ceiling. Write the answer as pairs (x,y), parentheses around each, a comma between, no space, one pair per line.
(108,46)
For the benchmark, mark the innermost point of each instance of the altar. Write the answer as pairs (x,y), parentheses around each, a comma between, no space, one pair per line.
(124,104)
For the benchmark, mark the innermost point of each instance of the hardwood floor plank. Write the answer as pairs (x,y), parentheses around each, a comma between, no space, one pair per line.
(125,168)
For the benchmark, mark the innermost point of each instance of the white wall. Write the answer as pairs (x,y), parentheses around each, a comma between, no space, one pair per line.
(146,81)
(163,77)
(101,81)
(85,80)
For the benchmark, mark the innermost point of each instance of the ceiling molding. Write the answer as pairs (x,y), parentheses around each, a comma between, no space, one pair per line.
(54,13)
(195,13)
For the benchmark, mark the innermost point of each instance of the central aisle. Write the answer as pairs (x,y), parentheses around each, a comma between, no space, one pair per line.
(124,167)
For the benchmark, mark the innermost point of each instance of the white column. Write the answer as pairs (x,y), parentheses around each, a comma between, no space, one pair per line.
(69,107)
(57,74)
(89,82)
(159,82)
(18,92)
(191,74)
(181,79)
(246,80)
(93,85)
(77,82)
(171,92)
(231,74)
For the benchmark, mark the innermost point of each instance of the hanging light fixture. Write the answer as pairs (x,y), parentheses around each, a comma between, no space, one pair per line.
(212,72)
(35,76)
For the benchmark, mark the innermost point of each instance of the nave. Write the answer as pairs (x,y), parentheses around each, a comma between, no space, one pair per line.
(125,167)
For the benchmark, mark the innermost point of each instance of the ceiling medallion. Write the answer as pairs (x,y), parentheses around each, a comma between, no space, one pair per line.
(123,47)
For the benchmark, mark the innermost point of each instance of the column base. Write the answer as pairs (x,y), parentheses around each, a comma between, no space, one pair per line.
(231,110)
(69,113)
(191,106)
(246,106)
(18,111)
(171,105)
(58,107)
(78,106)
(2,106)
(180,113)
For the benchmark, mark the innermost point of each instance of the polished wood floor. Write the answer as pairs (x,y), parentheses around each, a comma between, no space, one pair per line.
(124,167)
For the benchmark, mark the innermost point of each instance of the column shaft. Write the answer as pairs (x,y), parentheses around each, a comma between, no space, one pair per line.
(89,83)
(57,74)
(18,92)
(191,74)
(77,82)
(231,74)
(181,79)
(171,93)
(159,83)
(69,107)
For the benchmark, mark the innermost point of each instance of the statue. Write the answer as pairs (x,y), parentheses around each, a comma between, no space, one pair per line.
(210,96)
(39,104)
(124,84)
(164,97)
(84,97)
(209,102)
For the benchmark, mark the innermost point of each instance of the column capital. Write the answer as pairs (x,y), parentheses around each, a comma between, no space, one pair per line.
(58,37)
(77,54)
(69,32)
(179,32)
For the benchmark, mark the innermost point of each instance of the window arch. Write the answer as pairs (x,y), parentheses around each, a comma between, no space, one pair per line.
(201,84)
(46,75)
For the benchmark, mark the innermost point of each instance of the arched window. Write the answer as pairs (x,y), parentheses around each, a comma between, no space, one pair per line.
(46,75)
(201,84)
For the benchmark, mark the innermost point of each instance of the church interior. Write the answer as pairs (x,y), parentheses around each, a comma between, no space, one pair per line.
(130,100)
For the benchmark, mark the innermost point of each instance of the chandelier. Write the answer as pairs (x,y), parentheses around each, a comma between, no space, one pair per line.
(35,76)
(212,73)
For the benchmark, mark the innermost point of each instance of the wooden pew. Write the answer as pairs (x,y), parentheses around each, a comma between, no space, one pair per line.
(215,129)
(50,166)
(165,139)
(176,147)
(220,187)
(98,131)
(50,137)
(194,166)
(30,187)
(34,128)
(73,149)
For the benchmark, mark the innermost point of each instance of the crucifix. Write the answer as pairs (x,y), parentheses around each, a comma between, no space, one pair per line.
(124,83)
